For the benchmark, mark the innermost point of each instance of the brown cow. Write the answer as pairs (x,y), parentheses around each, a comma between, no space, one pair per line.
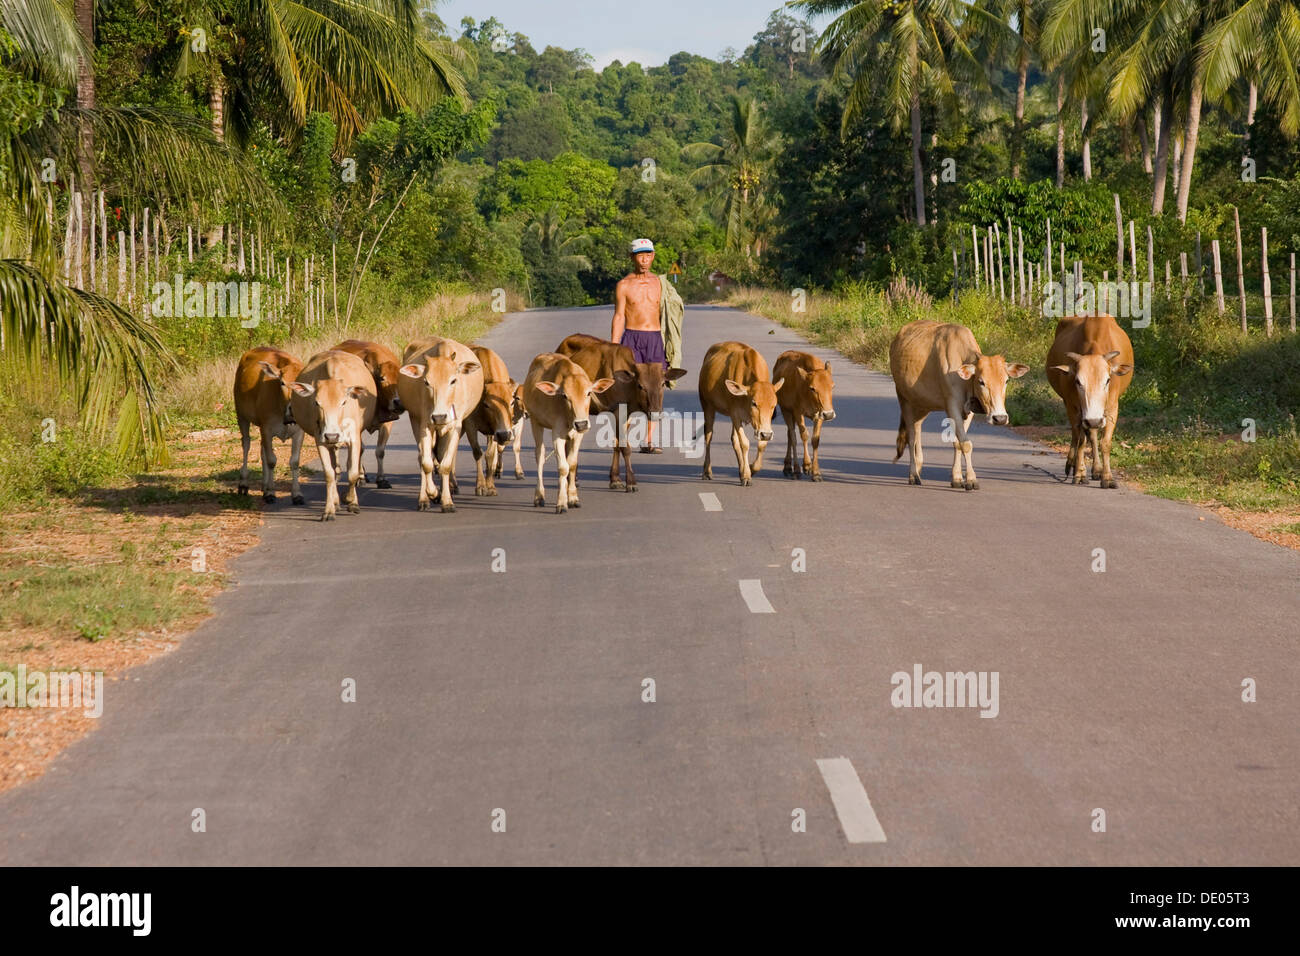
(492,417)
(441,383)
(807,393)
(333,398)
(1090,365)
(938,366)
(517,433)
(638,387)
(388,409)
(262,393)
(735,381)
(557,395)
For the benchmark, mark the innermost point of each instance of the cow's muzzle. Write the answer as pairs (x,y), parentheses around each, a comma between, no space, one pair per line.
(1000,419)
(330,438)
(765,436)
(503,437)
(288,415)
(1094,422)
(582,425)
(440,418)
(828,416)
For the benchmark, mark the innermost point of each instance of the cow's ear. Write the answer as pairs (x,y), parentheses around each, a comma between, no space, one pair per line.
(966,371)
(547,388)
(776,386)
(804,374)
(1121,369)
(673,374)
(601,385)
(414,370)
(624,376)
(1016,370)
(1063,368)
(467,367)
(270,371)
(303,389)
(735,388)
(1111,355)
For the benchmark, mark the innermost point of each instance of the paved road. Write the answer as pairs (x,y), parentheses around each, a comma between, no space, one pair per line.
(523,690)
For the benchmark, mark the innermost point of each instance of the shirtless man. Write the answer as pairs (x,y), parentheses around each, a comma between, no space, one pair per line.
(636,317)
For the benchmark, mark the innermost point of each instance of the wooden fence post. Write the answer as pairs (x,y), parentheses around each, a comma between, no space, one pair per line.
(1119,242)
(1218,274)
(1268,286)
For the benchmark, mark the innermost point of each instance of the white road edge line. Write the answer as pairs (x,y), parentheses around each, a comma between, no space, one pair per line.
(710,501)
(751,589)
(852,805)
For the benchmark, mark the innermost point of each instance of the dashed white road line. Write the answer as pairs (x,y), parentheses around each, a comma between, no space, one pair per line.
(852,805)
(710,501)
(751,589)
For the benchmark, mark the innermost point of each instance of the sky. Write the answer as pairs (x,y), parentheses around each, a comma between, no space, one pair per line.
(646,33)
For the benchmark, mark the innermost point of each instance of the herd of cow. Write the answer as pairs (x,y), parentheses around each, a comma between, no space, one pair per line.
(447,389)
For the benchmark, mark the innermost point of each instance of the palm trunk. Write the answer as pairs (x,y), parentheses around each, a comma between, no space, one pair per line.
(1161,171)
(1189,145)
(1022,74)
(1060,130)
(85,10)
(1252,100)
(217,102)
(918,175)
(1087,140)
(1145,141)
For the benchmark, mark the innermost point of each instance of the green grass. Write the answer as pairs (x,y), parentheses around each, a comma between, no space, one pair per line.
(1181,421)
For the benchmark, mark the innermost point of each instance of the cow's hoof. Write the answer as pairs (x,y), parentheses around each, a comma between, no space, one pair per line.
(631,488)
(746,481)
(817,477)
(327,516)
(383,483)
(707,476)
(958,483)
(1109,483)
(913,480)
(299,500)
(422,505)
(448,507)
(560,509)
(616,485)
(539,501)
(788,471)
(268,497)
(354,508)
(575,503)
(972,486)
(243,489)
(480,492)
(491,492)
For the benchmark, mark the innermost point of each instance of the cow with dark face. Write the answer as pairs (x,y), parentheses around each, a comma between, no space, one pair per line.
(806,394)
(383,366)
(638,387)
(493,417)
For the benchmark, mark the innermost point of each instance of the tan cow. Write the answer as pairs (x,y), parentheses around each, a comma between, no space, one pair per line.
(517,433)
(388,409)
(557,395)
(333,398)
(441,383)
(735,381)
(638,387)
(493,417)
(1090,365)
(262,393)
(807,394)
(938,367)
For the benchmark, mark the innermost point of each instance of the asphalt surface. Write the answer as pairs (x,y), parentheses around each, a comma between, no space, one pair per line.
(523,691)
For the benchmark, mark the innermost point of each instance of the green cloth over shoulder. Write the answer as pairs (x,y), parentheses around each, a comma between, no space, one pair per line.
(671,311)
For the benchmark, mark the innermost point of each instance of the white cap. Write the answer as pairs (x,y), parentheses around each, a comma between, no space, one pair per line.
(642,245)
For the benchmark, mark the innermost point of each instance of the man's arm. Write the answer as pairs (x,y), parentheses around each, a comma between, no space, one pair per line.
(617,327)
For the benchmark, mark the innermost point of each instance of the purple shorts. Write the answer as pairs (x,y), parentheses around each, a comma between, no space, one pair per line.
(648,347)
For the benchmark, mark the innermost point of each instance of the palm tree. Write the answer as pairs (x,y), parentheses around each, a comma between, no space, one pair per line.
(557,244)
(1022,42)
(898,49)
(736,171)
(104,352)
(356,60)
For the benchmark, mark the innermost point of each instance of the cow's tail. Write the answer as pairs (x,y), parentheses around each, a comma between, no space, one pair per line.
(901,445)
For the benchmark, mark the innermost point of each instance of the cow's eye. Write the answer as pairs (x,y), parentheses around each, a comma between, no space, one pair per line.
(981,383)
(452,382)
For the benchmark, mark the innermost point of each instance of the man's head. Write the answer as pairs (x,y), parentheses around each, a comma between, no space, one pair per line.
(643,254)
